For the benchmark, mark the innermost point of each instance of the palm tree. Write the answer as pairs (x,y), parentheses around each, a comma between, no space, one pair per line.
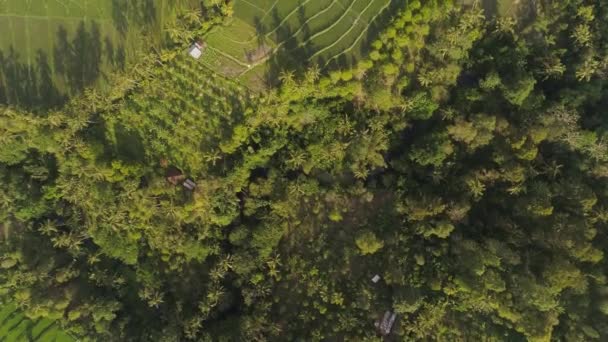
(425,78)
(214,295)
(553,68)
(296,160)
(193,16)
(505,26)
(587,70)
(48,228)
(287,77)
(174,34)
(212,157)
(273,265)
(312,74)
(582,35)
(553,169)
(227,263)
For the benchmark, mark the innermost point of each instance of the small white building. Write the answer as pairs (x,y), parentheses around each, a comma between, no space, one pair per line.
(196,50)
(376,279)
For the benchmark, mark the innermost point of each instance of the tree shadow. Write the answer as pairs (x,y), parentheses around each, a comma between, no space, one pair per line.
(129,145)
(28,84)
(295,51)
(48,93)
(3,95)
(116,57)
(146,10)
(490,8)
(77,63)
(302,20)
(83,59)
(120,8)
(140,12)
(260,30)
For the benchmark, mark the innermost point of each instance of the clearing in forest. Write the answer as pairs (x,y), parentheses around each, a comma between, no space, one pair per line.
(267,36)
(51,49)
(14,326)
(499,8)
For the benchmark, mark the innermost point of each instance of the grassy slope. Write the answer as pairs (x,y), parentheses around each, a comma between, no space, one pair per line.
(329,33)
(33,30)
(50,49)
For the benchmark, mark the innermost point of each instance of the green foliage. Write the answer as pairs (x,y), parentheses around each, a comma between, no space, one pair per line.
(368,243)
(433,150)
(464,162)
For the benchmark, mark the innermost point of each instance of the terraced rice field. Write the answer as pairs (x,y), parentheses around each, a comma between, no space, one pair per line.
(15,327)
(267,36)
(50,49)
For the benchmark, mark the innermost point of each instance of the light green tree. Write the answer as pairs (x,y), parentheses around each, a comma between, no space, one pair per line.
(368,242)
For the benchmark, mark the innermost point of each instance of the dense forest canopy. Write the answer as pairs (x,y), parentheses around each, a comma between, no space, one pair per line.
(463,160)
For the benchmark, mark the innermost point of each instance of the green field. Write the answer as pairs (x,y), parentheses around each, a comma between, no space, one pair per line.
(268,36)
(499,8)
(51,49)
(15,327)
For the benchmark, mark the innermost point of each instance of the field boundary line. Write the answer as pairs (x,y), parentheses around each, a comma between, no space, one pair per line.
(254,5)
(302,5)
(245,43)
(327,29)
(39,17)
(50,42)
(12,28)
(77,4)
(270,9)
(345,34)
(28,47)
(349,9)
(311,18)
(227,55)
(67,9)
(360,35)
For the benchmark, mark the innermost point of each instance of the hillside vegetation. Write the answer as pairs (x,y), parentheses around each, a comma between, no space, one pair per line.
(455,174)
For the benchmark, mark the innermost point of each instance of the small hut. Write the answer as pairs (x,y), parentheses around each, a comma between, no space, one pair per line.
(174,175)
(196,50)
(376,279)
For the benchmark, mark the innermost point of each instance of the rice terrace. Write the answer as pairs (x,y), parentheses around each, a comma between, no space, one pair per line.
(267,36)
(14,326)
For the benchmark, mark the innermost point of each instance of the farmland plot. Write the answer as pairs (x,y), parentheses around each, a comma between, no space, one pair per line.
(14,326)
(51,49)
(268,36)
